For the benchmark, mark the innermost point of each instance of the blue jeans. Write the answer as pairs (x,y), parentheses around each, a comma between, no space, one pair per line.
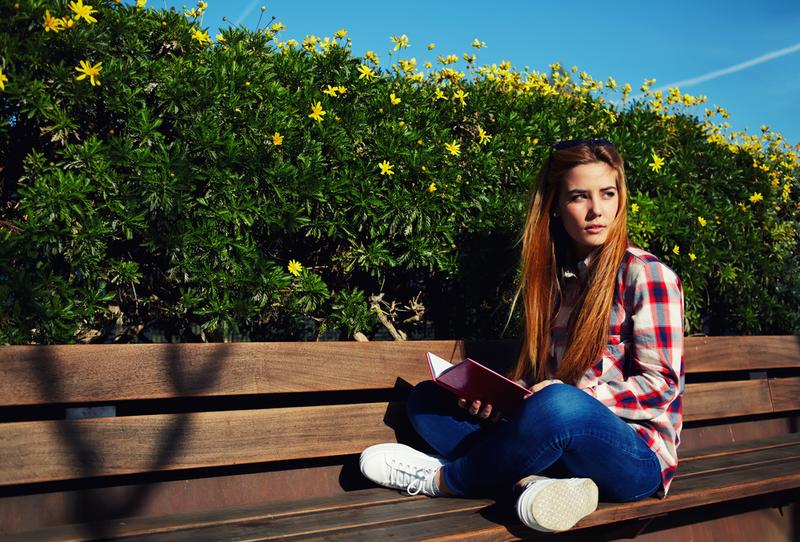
(560,431)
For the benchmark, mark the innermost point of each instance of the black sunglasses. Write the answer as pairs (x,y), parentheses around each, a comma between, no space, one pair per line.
(592,142)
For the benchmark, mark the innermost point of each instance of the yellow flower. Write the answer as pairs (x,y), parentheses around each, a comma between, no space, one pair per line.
(3,80)
(365,71)
(400,42)
(220,38)
(386,168)
(676,249)
(454,148)
(83,11)
(692,256)
(431,46)
(140,4)
(401,123)
(330,91)
(394,99)
(316,112)
(341,89)
(701,220)
(634,208)
(657,162)
(372,57)
(432,187)
(277,139)
(742,207)
(460,95)
(67,23)
(294,267)
(277,27)
(478,44)
(201,36)
(341,33)
(755,198)
(439,94)
(87,70)
(484,137)
(52,24)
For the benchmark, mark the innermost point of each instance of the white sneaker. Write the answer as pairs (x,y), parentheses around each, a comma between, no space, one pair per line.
(401,467)
(551,505)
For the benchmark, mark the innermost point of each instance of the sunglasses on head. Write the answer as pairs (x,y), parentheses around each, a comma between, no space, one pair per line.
(591,142)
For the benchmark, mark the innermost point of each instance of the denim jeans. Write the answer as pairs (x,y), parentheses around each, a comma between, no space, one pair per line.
(560,431)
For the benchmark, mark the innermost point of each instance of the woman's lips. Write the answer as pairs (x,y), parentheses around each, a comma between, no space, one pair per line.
(594,229)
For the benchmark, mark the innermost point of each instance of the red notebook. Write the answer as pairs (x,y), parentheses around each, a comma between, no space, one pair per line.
(473,381)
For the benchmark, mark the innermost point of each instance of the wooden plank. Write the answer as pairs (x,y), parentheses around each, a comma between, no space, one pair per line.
(785,393)
(92,373)
(738,461)
(135,527)
(741,353)
(463,518)
(714,400)
(71,449)
(329,523)
(104,373)
(769,451)
(192,496)
(779,441)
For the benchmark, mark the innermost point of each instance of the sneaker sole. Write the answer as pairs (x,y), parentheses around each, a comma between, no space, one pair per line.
(557,505)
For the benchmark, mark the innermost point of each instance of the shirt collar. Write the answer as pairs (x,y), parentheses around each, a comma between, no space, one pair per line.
(581,269)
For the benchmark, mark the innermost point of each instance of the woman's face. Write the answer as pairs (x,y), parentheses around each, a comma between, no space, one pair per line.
(587,205)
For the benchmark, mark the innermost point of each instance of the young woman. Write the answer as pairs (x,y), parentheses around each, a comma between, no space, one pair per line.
(602,352)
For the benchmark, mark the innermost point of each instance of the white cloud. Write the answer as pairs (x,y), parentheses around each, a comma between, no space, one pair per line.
(731,69)
(247,11)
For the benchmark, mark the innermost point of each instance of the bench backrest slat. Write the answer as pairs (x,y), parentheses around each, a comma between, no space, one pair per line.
(105,373)
(70,449)
(785,393)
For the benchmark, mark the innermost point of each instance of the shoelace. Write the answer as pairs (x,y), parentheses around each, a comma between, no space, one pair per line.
(414,479)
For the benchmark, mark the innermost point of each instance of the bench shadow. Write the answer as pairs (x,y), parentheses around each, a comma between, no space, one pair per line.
(91,508)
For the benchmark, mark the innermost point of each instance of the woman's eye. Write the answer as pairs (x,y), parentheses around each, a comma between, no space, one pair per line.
(611,194)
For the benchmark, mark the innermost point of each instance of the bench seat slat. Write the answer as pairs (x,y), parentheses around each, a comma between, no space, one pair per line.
(712,470)
(467,517)
(106,373)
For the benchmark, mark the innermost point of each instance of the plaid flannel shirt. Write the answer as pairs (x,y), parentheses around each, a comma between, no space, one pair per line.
(640,377)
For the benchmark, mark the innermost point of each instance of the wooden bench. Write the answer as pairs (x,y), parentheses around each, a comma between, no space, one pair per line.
(261,440)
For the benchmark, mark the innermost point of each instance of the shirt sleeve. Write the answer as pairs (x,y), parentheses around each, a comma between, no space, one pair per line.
(655,376)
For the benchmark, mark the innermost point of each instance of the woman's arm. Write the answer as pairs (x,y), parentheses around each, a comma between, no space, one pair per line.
(657,347)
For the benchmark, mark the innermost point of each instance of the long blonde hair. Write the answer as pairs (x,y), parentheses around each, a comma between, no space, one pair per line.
(546,251)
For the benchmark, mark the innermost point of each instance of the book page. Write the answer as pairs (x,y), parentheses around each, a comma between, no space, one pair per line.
(438,365)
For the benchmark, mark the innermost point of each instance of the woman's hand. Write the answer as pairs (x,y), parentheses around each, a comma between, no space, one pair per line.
(481,410)
(485,411)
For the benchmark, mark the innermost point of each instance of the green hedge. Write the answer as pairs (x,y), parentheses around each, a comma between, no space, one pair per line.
(168,200)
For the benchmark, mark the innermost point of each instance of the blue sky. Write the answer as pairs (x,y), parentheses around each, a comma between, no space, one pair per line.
(743,55)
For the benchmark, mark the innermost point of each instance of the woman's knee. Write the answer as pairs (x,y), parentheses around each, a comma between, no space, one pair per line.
(557,406)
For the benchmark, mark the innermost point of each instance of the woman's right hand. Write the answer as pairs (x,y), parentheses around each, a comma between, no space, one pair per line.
(479,409)
(486,411)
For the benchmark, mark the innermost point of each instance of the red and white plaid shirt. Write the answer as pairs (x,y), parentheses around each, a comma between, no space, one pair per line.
(640,376)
